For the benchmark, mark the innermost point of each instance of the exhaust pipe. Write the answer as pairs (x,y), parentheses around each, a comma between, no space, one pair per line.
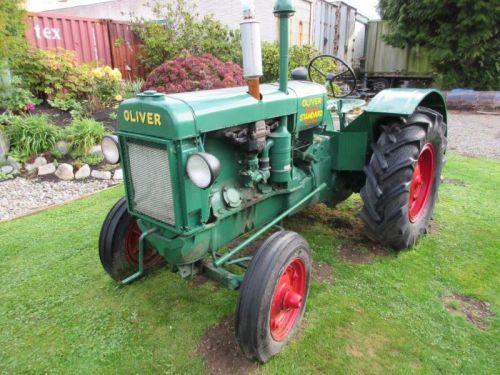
(251,48)
(284,9)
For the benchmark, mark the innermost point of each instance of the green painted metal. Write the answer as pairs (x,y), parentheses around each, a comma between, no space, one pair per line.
(140,272)
(403,102)
(284,7)
(225,258)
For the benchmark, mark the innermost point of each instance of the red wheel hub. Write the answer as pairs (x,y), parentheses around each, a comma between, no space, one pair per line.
(421,183)
(288,299)
(151,258)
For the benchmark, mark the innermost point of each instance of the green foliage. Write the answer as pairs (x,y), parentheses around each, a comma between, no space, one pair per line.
(83,134)
(16,98)
(91,160)
(54,75)
(31,135)
(77,108)
(132,88)
(107,88)
(12,26)
(299,56)
(463,38)
(181,30)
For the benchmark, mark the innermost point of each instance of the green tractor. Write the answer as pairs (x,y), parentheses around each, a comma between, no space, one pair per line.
(202,169)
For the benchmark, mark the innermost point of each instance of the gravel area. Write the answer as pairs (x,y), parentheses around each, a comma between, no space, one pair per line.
(21,196)
(474,134)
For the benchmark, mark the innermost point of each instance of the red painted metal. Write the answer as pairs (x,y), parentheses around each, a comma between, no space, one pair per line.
(105,42)
(151,258)
(125,47)
(287,299)
(87,37)
(421,183)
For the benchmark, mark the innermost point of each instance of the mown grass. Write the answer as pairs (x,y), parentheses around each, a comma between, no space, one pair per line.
(60,313)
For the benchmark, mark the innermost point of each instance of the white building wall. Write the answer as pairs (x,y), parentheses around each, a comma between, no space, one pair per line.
(227,12)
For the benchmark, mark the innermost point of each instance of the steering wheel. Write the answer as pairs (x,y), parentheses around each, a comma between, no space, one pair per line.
(337,76)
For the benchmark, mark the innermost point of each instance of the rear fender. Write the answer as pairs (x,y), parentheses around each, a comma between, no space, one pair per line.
(403,102)
(351,146)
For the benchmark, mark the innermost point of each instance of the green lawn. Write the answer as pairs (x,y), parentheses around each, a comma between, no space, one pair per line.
(60,313)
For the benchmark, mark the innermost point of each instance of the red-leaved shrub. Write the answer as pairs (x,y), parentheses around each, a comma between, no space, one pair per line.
(193,73)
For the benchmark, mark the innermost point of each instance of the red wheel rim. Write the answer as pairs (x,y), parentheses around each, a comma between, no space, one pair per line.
(288,299)
(151,257)
(421,183)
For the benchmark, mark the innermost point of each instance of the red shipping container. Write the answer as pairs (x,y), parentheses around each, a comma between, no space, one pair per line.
(104,41)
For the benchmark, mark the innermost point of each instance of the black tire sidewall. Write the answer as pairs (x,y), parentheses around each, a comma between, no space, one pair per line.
(257,291)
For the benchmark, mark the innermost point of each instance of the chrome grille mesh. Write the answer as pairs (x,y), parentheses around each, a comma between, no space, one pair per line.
(150,177)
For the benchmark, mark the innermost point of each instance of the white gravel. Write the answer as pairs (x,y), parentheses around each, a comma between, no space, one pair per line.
(473,134)
(21,196)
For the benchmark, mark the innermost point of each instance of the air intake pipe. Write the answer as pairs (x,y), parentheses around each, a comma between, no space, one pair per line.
(284,9)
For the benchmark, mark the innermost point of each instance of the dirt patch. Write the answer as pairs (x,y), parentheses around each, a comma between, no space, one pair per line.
(455,182)
(221,351)
(362,252)
(199,280)
(475,311)
(322,273)
(56,116)
(433,227)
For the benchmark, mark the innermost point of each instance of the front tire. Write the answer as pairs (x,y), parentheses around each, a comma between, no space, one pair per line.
(119,244)
(273,296)
(402,179)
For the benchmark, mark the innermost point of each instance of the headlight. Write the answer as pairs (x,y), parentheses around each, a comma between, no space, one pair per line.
(202,169)
(110,150)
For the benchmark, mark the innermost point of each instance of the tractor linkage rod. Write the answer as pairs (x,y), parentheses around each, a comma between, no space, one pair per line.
(139,273)
(225,258)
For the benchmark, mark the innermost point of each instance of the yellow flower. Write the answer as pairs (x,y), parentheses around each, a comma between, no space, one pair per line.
(118,98)
(116,74)
(98,73)
(107,70)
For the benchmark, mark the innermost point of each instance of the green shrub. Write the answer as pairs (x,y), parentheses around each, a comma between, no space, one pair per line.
(107,88)
(91,160)
(54,75)
(31,135)
(12,26)
(83,134)
(77,108)
(132,88)
(299,56)
(15,98)
(181,29)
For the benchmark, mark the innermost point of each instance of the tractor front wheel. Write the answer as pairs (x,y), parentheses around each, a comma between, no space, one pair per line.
(402,179)
(273,296)
(119,244)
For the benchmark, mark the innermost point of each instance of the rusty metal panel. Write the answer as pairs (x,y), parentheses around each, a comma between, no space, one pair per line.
(125,47)
(87,37)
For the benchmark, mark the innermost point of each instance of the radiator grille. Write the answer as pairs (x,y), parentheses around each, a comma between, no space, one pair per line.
(150,176)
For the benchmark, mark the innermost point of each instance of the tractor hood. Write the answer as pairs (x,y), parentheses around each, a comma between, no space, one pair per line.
(186,115)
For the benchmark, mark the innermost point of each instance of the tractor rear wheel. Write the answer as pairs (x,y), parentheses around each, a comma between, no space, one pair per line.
(119,244)
(273,296)
(402,179)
